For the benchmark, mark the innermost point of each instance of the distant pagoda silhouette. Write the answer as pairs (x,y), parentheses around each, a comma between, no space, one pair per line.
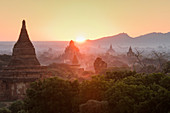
(70,51)
(111,51)
(23,50)
(130,53)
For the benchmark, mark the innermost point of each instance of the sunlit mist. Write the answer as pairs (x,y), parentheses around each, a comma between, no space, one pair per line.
(80,39)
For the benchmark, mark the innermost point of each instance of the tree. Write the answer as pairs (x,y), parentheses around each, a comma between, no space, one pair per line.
(93,106)
(166,67)
(140,94)
(139,56)
(160,57)
(93,89)
(124,91)
(4,110)
(52,95)
(22,111)
(16,106)
(99,65)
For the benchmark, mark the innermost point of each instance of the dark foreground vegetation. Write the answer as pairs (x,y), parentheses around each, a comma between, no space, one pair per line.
(123,91)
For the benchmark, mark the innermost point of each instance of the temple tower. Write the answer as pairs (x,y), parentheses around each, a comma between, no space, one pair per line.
(70,51)
(130,53)
(23,69)
(23,50)
(111,51)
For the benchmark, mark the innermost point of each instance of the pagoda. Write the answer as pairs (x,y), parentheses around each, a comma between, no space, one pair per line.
(23,69)
(24,51)
(130,53)
(70,51)
(111,51)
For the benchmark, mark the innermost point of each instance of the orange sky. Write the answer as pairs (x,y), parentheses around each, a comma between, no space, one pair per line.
(53,20)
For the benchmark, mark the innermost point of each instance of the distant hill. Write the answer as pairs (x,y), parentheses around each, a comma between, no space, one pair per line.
(123,39)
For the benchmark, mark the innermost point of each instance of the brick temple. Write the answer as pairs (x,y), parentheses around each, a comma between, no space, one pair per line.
(23,69)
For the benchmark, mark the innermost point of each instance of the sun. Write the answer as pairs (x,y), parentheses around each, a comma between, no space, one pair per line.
(80,39)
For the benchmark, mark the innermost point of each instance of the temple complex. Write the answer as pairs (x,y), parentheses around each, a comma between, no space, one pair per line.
(130,53)
(23,69)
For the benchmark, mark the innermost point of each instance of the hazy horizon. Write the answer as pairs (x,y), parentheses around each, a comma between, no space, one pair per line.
(86,39)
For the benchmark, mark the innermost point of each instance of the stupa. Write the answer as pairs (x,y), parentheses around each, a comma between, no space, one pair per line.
(70,51)
(23,68)
(111,51)
(130,53)
(23,50)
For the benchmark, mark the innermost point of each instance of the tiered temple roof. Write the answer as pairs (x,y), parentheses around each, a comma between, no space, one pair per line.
(23,68)
(130,53)
(111,51)
(72,49)
(23,50)
(69,53)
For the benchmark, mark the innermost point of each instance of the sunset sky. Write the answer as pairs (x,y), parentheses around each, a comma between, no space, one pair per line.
(54,20)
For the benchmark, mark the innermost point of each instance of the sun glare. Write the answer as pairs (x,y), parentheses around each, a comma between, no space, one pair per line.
(80,39)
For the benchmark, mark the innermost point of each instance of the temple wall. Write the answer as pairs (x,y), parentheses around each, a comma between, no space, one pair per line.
(13,85)
(12,90)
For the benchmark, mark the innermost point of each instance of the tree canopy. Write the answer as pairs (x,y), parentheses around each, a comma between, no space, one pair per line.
(124,91)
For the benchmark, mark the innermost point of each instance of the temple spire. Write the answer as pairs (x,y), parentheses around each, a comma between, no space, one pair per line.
(111,46)
(23,34)
(23,50)
(130,49)
(23,24)
(71,43)
(111,51)
(130,52)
